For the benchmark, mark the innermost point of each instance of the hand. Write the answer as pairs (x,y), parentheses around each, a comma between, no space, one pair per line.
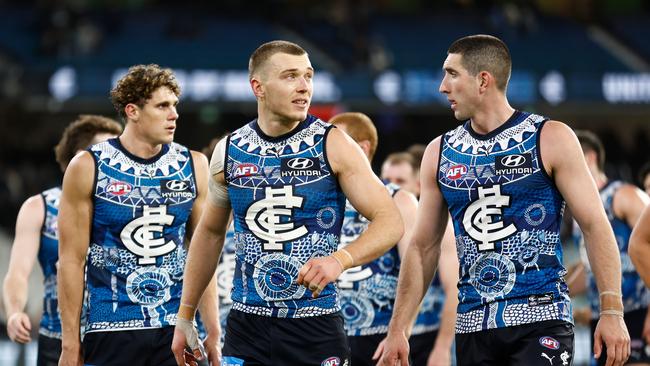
(318,272)
(612,331)
(71,356)
(646,328)
(19,327)
(185,334)
(393,350)
(211,345)
(439,357)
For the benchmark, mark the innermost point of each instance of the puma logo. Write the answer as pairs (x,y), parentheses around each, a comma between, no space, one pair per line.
(550,359)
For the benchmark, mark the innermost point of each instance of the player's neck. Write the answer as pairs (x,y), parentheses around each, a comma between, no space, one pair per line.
(273,125)
(137,145)
(489,118)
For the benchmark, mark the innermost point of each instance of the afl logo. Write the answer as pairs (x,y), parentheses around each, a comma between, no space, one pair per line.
(300,163)
(456,171)
(513,161)
(332,361)
(549,343)
(246,170)
(176,185)
(118,188)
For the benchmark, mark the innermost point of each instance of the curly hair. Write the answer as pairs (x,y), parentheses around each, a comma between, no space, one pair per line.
(140,82)
(80,133)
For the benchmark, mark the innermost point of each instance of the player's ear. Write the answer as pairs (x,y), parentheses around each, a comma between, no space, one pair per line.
(132,112)
(258,88)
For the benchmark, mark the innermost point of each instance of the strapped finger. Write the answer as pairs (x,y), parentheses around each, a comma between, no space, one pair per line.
(303,271)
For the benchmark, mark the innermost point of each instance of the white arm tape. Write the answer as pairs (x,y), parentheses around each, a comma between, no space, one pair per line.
(218,191)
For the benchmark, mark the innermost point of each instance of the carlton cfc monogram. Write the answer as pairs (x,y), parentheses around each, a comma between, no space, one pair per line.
(264,217)
(139,236)
(479,216)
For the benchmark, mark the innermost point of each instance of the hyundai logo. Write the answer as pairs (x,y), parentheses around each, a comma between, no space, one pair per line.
(512,161)
(300,163)
(176,185)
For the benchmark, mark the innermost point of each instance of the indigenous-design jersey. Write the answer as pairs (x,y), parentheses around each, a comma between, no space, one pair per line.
(367,292)
(287,208)
(137,255)
(635,293)
(428,318)
(506,212)
(48,255)
(225,275)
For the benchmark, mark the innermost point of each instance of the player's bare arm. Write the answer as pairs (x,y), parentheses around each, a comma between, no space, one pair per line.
(369,197)
(205,249)
(629,203)
(23,255)
(407,205)
(640,246)
(421,260)
(75,214)
(564,162)
(209,304)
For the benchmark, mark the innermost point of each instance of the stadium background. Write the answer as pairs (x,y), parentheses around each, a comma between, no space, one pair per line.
(584,62)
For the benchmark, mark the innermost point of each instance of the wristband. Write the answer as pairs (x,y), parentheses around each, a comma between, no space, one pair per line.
(611,312)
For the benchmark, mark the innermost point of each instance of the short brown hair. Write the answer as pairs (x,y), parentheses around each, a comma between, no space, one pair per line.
(80,133)
(138,85)
(589,141)
(359,127)
(265,51)
(482,52)
(417,151)
(402,158)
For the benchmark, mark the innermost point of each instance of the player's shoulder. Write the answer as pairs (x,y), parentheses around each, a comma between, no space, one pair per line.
(33,204)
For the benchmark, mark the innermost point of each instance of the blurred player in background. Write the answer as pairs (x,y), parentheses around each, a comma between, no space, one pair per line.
(37,238)
(367,292)
(432,336)
(623,205)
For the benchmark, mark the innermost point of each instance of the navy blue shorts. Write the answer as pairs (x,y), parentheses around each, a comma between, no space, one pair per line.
(49,351)
(421,346)
(537,344)
(142,347)
(260,340)
(363,347)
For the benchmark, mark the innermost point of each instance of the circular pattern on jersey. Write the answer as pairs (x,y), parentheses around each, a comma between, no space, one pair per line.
(357,311)
(275,277)
(535,214)
(493,275)
(528,256)
(326,217)
(149,286)
(386,262)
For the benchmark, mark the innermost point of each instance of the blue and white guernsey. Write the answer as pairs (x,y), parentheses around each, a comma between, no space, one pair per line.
(367,292)
(136,256)
(287,208)
(225,274)
(428,319)
(635,295)
(506,212)
(48,255)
